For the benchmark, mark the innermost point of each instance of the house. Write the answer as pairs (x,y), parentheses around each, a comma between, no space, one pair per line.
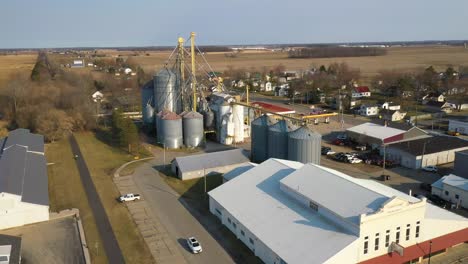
(458,105)
(360,91)
(433,96)
(435,106)
(393,115)
(289,212)
(77,64)
(453,189)
(10,249)
(97,96)
(24,196)
(197,166)
(456,90)
(268,87)
(429,151)
(376,134)
(282,90)
(368,110)
(460,165)
(390,106)
(458,126)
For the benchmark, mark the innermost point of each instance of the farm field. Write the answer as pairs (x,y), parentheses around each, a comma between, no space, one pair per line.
(10,64)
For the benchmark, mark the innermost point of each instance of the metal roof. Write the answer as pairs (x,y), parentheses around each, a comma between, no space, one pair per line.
(238,171)
(430,145)
(295,233)
(376,131)
(23,171)
(211,160)
(452,180)
(315,183)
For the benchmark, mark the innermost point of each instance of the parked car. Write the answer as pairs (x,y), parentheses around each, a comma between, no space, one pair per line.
(342,137)
(360,147)
(327,151)
(453,133)
(194,245)
(426,186)
(129,197)
(354,160)
(430,168)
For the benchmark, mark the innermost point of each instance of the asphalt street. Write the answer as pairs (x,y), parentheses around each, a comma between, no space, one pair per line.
(178,221)
(111,247)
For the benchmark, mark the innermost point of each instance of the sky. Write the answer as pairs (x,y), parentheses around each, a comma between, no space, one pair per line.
(116,23)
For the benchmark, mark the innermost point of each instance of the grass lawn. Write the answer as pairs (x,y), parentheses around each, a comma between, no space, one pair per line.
(66,191)
(102,160)
(192,191)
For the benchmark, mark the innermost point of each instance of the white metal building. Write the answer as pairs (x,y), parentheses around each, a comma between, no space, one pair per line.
(196,166)
(24,196)
(419,153)
(288,212)
(458,126)
(453,189)
(460,165)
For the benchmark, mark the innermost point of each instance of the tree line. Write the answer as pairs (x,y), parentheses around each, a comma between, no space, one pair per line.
(330,52)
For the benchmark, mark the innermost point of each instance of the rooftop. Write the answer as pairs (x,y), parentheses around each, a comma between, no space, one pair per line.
(452,180)
(11,245)
(376,130)
(273,108)
(23,171)
(431,145)
(211,160)
(362,89)
(238,171)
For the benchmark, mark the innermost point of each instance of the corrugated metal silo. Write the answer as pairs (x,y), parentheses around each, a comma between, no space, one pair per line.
(171,130)
(304,145)
(278,139)
(159,131)
(259,138)
(209,120)
(166,92)
(147,103)
(238,119)
(193,129)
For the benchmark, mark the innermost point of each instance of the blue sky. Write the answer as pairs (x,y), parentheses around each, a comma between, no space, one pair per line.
(67,23)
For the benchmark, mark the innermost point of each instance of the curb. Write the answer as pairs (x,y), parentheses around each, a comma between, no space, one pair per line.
(117,172)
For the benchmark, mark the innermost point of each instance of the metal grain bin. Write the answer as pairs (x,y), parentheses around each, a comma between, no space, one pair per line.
(304,145)
(209,120)
(166,92)
(193,129)
(159,130)
(171,130)
(147,103)
(278,139)
(259,138)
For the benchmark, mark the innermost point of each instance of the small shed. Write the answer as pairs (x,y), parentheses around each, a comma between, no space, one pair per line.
(453,189)
(197,166)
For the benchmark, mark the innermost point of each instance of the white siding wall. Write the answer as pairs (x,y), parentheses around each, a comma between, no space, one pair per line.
(200,173)
(13,212)
(452,192)
(409,161)
(458,126)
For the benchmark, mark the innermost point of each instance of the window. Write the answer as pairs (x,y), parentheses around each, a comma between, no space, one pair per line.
(218,211)
(366,245)
(234,225)
(387,238)
(457,196)
(397,236)
(251,240)
(242,233)
(446,193)
(417,229)
(313,206)
(4,258)
(407,232)
(229,220)
(376,246)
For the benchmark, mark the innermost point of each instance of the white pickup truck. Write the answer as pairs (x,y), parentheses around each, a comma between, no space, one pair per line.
(129,197)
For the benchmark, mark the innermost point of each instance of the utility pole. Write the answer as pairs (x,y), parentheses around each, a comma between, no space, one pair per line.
(248,103)
(422,156)
(194,78)
(384,156)
(430,252)
(204,176)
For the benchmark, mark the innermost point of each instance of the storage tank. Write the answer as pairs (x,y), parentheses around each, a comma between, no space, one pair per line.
(224,126)
(278,139)
(259,138)
(209,120)
(304,145)
(193,129)
(159,131)
(238,119)
(147,103)
(171,130)
(166,92)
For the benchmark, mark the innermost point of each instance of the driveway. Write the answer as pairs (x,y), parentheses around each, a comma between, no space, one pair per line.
(176,222)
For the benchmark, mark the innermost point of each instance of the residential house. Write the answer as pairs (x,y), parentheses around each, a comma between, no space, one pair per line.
(433,96)
(361,91)
(268,87)
(390,106)
(435,106)
(393,115)
(368,110)
(453,189)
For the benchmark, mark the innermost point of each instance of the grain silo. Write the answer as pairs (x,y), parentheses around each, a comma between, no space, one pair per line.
(193,129)
(167,95)
(159,132)
(238,119)
(304,145)
(170,130)
(278,139)
(147,103)
(259,138)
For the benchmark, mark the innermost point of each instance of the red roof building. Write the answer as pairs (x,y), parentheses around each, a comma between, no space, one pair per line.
(273,108)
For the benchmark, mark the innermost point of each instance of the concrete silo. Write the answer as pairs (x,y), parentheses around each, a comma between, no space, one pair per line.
(259,138)
(278,139)
(193,129)
(304,145)
(167,95)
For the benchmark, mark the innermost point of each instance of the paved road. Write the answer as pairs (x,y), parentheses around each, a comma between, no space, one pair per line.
(177,220)
(111,247)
